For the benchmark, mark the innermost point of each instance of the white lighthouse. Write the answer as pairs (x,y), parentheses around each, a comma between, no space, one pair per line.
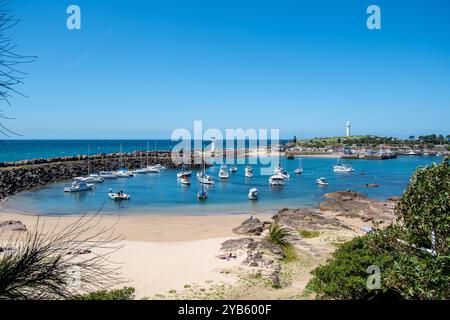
(213,145)
(347,133)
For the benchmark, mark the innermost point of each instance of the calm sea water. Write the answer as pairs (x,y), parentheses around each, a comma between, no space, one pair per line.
(15,150)
(162,193)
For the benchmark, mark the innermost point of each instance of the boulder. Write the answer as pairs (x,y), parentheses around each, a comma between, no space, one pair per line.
(305,219)
(12,225)
(251,226)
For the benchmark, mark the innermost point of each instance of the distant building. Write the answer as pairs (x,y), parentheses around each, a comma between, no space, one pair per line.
(213,145)
(347,134)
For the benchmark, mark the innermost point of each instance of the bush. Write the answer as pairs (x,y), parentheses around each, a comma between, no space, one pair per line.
(126,293)
(308,234)
(277,235)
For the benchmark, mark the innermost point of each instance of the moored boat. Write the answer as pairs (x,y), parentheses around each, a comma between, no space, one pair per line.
(276,181)
(78,186)
(322,181)
(253,194)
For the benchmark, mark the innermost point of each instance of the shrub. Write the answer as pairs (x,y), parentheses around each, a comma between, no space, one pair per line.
(277,235)
(126,293)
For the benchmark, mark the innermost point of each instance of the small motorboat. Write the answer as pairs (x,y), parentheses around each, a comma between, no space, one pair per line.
(107,175)
(298,171)
(78,186)
(253,194)
(160,167)
(202,195)
(322,181)
(233,169)
(118,196)
(223,173)
(248,172)
(184,173)
(276,181)
(185,180)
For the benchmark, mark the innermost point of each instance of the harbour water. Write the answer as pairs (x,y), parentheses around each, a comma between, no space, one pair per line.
(162,193)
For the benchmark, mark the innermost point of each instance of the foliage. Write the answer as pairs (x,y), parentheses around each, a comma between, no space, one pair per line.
(308,234)
(277,235)
(45,265)
(411,267)
(425,207)
(126,293)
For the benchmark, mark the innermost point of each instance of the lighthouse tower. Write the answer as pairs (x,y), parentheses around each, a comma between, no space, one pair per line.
(213,145)
(347,133)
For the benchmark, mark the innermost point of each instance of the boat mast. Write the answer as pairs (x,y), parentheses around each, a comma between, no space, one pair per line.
(89,163)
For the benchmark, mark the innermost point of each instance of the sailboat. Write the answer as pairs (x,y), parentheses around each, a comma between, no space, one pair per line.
(141,170)
(223,172)
(342,167)
(253,194)
(123,172)
(299,170)
(184,172)
(154,168)
(91,178)
(202,177)
(248,172)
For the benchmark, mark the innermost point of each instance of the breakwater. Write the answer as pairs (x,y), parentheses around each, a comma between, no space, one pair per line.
(27,174)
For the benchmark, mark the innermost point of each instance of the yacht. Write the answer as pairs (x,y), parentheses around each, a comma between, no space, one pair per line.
(298,171)
(90,179)
(107,175)
(233,169)
(342,167)
(276,180)
(248,172)
(123,173)
(223,173)
(322,181)
(141,170)
(253,194)
(205,179)
(79,185)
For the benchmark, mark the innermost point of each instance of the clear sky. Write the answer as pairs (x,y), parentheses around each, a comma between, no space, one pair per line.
(140,69)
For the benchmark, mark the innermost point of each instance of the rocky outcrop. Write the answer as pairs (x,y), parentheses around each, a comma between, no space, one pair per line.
(251,226)
(357,205)
(305,219)
(12,225)
(262,256)
(28,174)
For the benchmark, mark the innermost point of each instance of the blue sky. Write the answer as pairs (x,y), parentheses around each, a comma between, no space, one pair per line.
(140,69)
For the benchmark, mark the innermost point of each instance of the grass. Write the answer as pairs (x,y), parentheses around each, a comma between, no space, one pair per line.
(308,234)
(290,254)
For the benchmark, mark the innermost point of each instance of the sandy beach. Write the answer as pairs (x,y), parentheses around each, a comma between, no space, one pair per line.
(160,255)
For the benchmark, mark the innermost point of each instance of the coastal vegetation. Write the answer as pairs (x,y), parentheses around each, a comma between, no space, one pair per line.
(371,141)
(126,293)
(412,254)
(62,264)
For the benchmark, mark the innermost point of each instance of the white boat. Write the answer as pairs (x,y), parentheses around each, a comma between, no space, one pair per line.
(90,179)
(160,166)
(79,185)
(205,179)
(223,172)
(118,196)
(345,168)
(438,154)
(185,180)
(233,169)
(248,172)
(107,175)
(322,181)
(123,173)
(276,181)
(280,171)
(184,172)
(253,194)
(299,170)
(141,170)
